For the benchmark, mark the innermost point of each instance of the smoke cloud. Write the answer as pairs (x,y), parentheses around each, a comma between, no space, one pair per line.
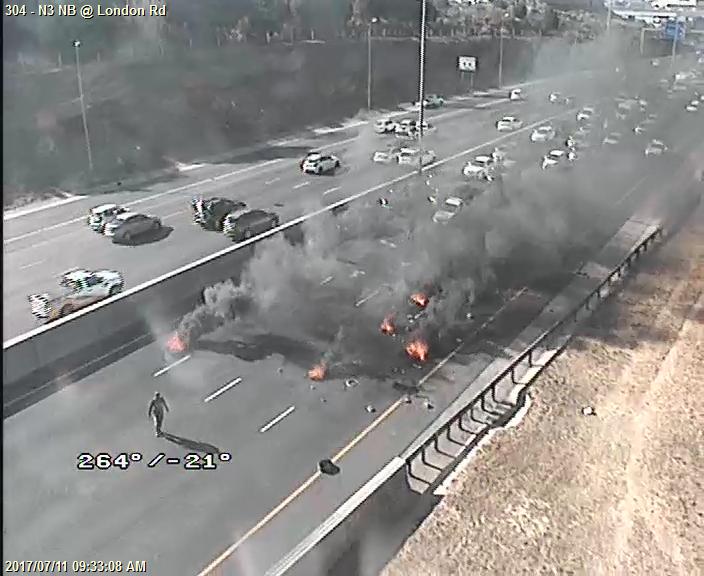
(355,268)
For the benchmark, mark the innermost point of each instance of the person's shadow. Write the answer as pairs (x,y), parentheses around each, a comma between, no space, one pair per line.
(193,445)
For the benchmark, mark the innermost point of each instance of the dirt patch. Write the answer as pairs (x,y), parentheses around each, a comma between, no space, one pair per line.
(618,492)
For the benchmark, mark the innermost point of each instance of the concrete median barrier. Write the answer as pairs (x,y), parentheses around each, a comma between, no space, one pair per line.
(59,348)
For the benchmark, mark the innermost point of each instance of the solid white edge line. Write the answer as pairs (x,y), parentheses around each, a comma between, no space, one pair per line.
(282,143)
(31,264)
(276,420)
(224,389)
(17,212)
(366,298)
(170,366)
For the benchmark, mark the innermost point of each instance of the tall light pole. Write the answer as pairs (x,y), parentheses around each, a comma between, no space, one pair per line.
(369,62)
(674,42)
(501,50)
(421,85)
(608,15)
(77,45)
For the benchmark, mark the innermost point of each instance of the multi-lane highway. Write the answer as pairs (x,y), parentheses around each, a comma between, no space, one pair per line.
(41,245)
(246,392)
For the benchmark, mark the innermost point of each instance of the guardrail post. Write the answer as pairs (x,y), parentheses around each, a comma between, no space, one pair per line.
(412,474)
(423,457)
(436,445)
(460,422)
(513,375)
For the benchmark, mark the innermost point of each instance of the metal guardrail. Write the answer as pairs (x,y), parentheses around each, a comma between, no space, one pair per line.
(545,340)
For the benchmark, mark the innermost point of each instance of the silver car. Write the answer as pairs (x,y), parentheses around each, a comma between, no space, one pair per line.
(99,216)
(655,148)
(130,225)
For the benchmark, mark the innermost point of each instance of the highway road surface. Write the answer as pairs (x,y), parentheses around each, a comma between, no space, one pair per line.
(41,245)
(247,395)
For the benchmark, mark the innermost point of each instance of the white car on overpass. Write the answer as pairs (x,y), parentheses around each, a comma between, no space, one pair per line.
(388,156)
(642,127)
(612,138)
(385,126)
(481,167)
(558,159)
(693,106)
(543,134)
(585,114)
(451,207)
(320,164)
(655,148)
(411,157)
(99,216)
(509,124)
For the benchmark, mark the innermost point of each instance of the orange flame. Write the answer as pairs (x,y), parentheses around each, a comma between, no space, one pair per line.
(318,371)
(417,349)
(387,326)
(176,344)
(419,299)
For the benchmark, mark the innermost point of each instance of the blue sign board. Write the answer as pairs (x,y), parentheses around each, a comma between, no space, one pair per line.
(673,28)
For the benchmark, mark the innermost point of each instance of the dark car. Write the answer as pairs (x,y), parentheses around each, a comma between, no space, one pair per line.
(210,213)
(242,226)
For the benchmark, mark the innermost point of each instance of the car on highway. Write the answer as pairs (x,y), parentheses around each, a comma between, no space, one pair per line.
(583,131)
(411,157)
(576,141)
(686,76)
(320,164)
(210,213)
(543,134)
(385,126)
(643,126)
(80,288)
(99,216)
(241,225)
(125,227)
(431,101)
(509,124)
(516,94)
(585,114)
(388,156)
(625,108)
(558,159)
(500,156)
(481,167)
(655,148)
(451,207)
(408,128)
(612,138)
(693,106)
(558,98)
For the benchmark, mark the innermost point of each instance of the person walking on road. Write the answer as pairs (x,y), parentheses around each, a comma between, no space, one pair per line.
(156,412)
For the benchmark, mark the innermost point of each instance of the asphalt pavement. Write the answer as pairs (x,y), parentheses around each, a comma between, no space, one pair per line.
(41,245)
(248,396)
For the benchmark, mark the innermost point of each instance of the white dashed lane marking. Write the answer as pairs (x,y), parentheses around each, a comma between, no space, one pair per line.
(276,420)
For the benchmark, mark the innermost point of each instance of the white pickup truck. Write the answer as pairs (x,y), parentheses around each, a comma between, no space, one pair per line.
(81,288)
